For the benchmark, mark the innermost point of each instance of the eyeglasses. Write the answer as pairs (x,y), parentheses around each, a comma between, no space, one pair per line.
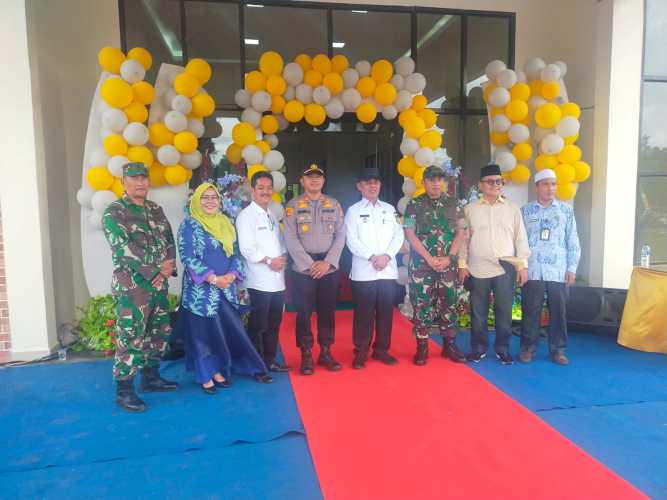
(494,182)
(209,198)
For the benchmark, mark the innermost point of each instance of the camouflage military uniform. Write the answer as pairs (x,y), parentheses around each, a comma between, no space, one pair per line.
(433,294)
(141,239)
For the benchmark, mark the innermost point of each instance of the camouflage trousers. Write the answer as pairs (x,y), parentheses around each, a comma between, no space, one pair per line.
(142,331)
(434,298)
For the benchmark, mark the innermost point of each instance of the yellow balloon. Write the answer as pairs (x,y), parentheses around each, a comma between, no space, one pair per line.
(545,161)
(522,151)
(507,177)
(243,134)
(269,124)
(117,187)
(110,59)
(334,82)
(322,64)
(571,109)
(114,145)
(304,61)
(315,114)
(312,78)
(99,178)
(382,71)
(339,63)
(136,112)
(140,154)
(187,85)
(143,92)
(277,198)
(277,104)
(176,174)
(255,81)
(366,86)
(550,90)
(535,87)
(520,92)
(185,142)
(276,85)
(406,115)
(271,63)
(564,173)
(415,128)
(419,102)
(419,191)
(366,112)
(431,139)
(520,174)
(418,176)
(525,121)
(516,110)
(116,92)
(499,138)
(566,191)
(160,135)
(142,55)
(202,105)
(487,92)
(385,94)
(571,139)
(582,171)
(156,175)
(263,146)
(569,154)
(548,115)
(407,166)
(294,111)
(429,117)
(233,153)
(253,169)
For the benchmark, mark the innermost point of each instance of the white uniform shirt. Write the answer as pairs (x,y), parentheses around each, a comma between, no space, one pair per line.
(259,236)
(373,230)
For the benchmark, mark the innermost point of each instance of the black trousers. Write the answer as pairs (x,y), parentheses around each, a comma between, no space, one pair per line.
(311,295)
(373,307)
(266,313)
(532,298)
(503,296)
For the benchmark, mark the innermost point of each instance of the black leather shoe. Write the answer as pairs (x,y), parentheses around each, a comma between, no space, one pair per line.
(327,360)
(127,399)
(225,384)
(451,350)
(505,358)
(209,390)
(476,357)
(263,378)
(422,352)
(152,382)
(359,360)
(385,357)
(306,367)
(277,367)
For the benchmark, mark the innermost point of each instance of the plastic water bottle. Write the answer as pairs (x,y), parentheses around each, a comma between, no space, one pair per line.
(646,256)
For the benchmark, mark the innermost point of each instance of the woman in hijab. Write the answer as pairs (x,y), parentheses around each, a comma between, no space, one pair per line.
(215,340)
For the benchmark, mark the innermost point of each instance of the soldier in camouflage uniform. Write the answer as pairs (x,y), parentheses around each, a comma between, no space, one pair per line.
(433,227)
(143,254)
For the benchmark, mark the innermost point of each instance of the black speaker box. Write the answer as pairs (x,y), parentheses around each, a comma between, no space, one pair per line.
(595,309)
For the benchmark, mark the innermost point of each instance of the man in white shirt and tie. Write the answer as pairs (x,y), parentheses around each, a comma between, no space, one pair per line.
(261,243)
(374,237)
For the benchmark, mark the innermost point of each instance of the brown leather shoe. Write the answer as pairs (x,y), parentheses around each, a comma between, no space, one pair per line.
(526,356)
(560,359)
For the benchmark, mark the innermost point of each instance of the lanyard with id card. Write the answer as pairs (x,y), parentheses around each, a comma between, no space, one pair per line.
(545,232)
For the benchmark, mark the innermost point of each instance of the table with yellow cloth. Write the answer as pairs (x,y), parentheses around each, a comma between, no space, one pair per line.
(644,323)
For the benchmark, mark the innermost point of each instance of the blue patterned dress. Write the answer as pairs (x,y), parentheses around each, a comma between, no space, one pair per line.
(209,320)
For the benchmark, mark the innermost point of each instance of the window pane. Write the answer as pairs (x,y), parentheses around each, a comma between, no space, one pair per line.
(212,33)
(655,62)
(289,31)
(439,58)
(653,143)
(477,148)
(371,35)
(487,39)
(156,26)
(652,218)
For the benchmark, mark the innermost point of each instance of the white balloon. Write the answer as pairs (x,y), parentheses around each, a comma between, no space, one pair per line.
(500,123)
(533,67)
(116,164)
(196,127)
(499,97)
(252,154)
(425,157)
(521,77)
(272,139)
(405,66)
(563,68)
(321,95)
(132,71)
(403,275)
(290,93)
(499,150)
(84,196)
(279,181)
(277,210)
(409,186)
(494,68)
(402,204)
(550,73)
(98,157)
(568,126)
(293,74)
(398,81)
(335,108)
(175,121)
(389,112)
(409,146)
(252,117)
(304,93)
(242,98)
(552,144)
(282,122)
(101,199)
(540,133)
(168,155)
(191,160)
(261,101)
(95,219)
(507,78)
(363,68)
(274,160)
(114,119)
(535,102)
(350,78)
(136,134)
(415,83)
(181,103)
(403,100)
(351,99)
(518,133)
(441,156)
(506,161)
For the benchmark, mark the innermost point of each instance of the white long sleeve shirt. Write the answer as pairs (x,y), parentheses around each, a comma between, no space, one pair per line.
(259,236)
(373,230)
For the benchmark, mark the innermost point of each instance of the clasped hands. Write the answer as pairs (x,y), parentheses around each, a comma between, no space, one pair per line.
(222,281)
(439,264)
(166,270)
(379,261)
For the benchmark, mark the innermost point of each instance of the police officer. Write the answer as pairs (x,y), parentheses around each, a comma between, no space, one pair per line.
(143,254)
(315,237)
(434,227)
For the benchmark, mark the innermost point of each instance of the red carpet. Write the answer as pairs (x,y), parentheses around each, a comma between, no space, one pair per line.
(432,432)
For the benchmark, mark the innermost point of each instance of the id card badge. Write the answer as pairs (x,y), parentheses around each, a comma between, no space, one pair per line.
(544,234)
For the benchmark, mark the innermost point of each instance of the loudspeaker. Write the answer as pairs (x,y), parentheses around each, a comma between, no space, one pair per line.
(595,309)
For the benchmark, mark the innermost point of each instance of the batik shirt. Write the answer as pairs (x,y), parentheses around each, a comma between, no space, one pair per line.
(553,240)
(141,240)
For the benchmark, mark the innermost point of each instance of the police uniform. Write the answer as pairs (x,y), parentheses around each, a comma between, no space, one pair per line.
(314,231)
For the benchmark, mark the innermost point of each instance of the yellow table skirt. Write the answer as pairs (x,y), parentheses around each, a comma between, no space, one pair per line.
(644,323)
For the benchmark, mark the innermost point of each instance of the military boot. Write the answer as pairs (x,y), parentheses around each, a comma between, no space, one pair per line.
(126,398)
(152,382)
(306,362)
(451,350)
(422,352)
(327,360)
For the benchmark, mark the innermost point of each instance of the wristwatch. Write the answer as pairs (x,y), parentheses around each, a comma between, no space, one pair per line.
(268,261)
